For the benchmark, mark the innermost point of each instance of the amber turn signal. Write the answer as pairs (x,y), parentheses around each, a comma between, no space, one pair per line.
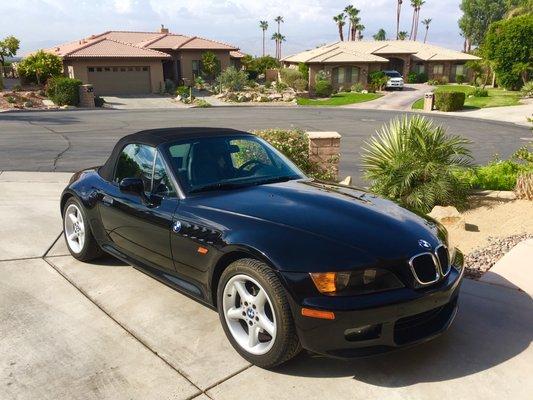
(325,281)
(202,250)
(308,312)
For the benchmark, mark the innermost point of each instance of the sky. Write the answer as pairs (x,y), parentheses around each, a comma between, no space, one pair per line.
(308,23)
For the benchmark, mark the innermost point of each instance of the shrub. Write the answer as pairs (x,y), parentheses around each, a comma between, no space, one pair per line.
(323,88)
(210,64)
(412,162)
(281,86)
(201,103)
(300,85)
(449,101)
(527,90)
(63,91)
(412,77)
(232,79)
(304,70)
(460,79)
(321,76)
(290,75)
(378,79)
(170,87)
(199,83)
(480,92)
(39,67)
(422,77)
(357,87)
(11,99)
(497,175)
(524,186)
(183,91)
(294,144)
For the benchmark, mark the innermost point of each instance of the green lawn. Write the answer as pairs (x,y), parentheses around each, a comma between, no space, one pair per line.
(496,98)
(339,99)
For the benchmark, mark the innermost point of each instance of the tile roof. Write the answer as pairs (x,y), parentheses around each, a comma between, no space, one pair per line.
(236,54)
(377,51)
(135,44)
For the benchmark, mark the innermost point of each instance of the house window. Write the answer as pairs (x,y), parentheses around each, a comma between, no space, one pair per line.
(196,68)
(91,69)
(340,75)
(460,69)
(419,68)
(354,75)
(438,69)
(98,69)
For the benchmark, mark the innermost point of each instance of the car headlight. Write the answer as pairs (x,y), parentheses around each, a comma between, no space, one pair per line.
(353,283)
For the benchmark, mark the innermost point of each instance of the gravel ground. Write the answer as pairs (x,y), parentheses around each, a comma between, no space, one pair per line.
(481,260)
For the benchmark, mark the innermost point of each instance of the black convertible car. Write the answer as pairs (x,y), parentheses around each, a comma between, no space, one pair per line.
(288,261)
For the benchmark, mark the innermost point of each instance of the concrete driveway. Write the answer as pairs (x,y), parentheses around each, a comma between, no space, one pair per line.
(104,330)
(396,100)
(138,102)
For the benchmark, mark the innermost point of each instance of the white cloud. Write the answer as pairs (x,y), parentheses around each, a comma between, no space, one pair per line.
(122,6)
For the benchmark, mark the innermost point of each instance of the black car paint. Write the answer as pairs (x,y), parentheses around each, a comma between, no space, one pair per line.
(296,227)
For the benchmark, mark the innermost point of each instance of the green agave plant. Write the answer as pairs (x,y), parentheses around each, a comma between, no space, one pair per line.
(412,161)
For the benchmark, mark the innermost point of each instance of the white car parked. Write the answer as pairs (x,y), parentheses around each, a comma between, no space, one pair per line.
(395,80)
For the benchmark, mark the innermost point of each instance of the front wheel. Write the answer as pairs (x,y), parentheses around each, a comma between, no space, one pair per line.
(80,240)
(255,314)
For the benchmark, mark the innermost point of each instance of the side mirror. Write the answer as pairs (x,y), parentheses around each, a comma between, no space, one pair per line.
(132,185)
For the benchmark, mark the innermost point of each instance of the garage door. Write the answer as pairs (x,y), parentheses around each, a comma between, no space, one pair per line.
(119,80)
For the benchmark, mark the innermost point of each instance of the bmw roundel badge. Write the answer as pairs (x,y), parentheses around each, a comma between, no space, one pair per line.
(424,244)
(176,226)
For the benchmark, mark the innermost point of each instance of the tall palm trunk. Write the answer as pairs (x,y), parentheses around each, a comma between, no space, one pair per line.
(411,35)
(398,12)
(341,33)
(426,35)
(263,42)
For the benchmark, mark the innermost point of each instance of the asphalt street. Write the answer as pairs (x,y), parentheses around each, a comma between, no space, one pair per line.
(71,140)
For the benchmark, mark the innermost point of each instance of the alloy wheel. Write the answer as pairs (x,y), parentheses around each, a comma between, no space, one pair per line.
(249,314)
(74,228)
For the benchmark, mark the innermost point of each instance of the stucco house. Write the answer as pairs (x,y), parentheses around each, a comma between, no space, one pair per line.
(347,63)
(124,62)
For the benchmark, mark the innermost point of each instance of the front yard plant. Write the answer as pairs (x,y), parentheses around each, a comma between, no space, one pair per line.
(40,66)
(294,144)
(232,79)
(449,101)
(414,162)
(63,91)
(495,97)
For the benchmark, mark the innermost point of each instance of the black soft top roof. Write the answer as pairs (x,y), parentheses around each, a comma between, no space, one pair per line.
(156,137)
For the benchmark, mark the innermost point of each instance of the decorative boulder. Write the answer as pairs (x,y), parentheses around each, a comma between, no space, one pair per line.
(448,216)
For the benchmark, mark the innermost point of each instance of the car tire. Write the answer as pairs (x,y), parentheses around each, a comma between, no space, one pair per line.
(256,276)
(77,232)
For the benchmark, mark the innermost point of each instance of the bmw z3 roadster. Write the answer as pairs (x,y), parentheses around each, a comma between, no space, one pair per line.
(287,261)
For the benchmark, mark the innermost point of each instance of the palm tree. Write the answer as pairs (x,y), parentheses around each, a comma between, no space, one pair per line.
(353,16)
(416,4)
(381,35)
(349,11)
(279,20)
(359,28)
(264,26)
(340,20)
(426,23)
(402,35)
(281,39)
(398,11)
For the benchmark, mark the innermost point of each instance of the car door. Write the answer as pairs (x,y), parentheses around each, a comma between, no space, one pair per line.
(139,225)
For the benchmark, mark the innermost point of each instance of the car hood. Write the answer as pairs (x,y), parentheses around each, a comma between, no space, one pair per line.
(345,215)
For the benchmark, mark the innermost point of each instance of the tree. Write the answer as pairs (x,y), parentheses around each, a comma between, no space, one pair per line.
(381,35)
(349,10)
(359,28)
(426,23)
(416,4)
(398,12)
(518,7)
(8,48)
(477,16)
(402,35)
(353,17)
(279,38)
(40,66)
(264,26)
(340,20)
(279,20)
(507,46)
(210,64)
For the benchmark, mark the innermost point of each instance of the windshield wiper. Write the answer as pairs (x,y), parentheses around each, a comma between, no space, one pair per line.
(216,186)
(275,179)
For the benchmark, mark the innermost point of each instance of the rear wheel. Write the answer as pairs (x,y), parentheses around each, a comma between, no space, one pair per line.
(255,314)
(80,240)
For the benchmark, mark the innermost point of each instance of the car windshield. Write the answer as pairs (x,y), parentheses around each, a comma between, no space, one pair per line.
(227,162)
(393,74)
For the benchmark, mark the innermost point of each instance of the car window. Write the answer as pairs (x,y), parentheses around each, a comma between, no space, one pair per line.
(161,181)
(136,161)
(227,161)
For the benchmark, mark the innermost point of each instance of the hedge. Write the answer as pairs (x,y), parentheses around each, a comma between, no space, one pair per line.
(290,75)
(63,91)
(449,101)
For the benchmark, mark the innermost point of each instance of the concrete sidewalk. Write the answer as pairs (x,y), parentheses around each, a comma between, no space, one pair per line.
(104,330)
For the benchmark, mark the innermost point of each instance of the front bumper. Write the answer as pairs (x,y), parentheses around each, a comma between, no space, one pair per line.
(379,322)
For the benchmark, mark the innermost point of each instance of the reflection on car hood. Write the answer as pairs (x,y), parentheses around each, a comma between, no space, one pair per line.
(355,218)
